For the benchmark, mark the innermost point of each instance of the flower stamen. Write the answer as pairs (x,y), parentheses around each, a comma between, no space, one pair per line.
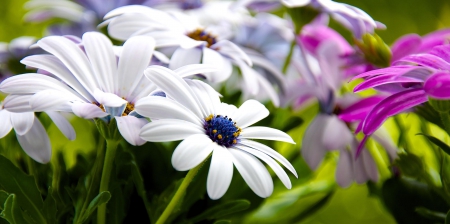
(222,130)
(200,35)
(99,105)
(128,109)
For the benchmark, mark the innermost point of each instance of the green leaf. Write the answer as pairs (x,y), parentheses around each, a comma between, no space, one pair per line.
(3,197)
(437,142)
(222,210)
(49,210)
(447,218)
(313,209)
(410,165)
(431,215)
(222,222)
(12,211)
(100,199)
(25,189)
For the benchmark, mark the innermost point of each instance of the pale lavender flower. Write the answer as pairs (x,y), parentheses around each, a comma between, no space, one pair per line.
(11,54)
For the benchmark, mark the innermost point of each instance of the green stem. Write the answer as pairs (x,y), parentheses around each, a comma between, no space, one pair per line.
(287,61)
(179,194)
(445,117)
(111,147)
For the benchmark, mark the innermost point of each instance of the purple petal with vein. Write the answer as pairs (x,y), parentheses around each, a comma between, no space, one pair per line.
(442,52)
(438,85)
(359,110)
(393,70)
(405,45)
(427,60)
(384,79)
(392,105)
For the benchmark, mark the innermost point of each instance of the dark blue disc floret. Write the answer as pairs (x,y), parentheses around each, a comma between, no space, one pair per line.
(222,130)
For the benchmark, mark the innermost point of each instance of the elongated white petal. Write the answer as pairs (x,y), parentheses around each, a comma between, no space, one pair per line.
(36,142)
(173,86)
(195,69)
(63,124)
(220,173)
(49,100)
(268,89)
(73,58)
(22,122)
(230,49)
(133,9)
(344,170)
(271,152)
(169,130)
(123,27)
(225,109)
(254,173)
(108,99)
(156,107)
(211,57)
(17,103)
(5,123)
(207,98)
(130,127)
(266,133)
(88,111)
(250,78)
(313,149)
(274,165)
(182,57)
(250,112)
(53,65)
(192,151)
(100,52)
(136,56)
(369,165)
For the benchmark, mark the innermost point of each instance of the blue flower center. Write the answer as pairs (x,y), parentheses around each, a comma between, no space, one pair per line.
(222,130)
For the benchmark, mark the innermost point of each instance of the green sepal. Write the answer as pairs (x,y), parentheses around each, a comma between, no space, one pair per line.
(222,210)
(375,50)
(109,131)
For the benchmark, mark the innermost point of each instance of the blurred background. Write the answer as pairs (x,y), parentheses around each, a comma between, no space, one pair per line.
(352,205)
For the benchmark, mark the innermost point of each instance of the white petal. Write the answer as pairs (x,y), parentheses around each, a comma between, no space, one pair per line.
(220,173)
(250,78)
(370,167)
(156,107)
(266,133)
(211,57)
(229,48)
(108,99)
(274,165)
(254,173)
(250,112)
(136,56)
(336,134)
(166,130)
(182,57)
(192,151)
(123,27)
(313,149)
(36,143)
(130,127)
(194,69)
(72,57)
(132,9)
(173,86)
(295,3)
(63,124)
(225,109)
(207,98)
(271,152)
(344,170)
(49,100)
(88,111)
(268,89)
(53,65)
(17,103)
(5,123)
(103,60)
(22,122)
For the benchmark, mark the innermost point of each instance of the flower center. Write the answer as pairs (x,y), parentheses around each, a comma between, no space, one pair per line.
(201,35)
(99,105)
(128,109)
(222,130)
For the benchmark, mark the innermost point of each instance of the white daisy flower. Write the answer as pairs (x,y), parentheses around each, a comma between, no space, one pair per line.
(30,132)
(89,80)
(192,112)
(198,43)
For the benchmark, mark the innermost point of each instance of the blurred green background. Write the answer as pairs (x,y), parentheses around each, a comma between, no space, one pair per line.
(351,205)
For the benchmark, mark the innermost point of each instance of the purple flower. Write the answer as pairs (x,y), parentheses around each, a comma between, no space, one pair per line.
(410,80)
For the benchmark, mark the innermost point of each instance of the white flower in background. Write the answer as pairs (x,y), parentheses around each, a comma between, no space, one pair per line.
(192,112)
(30,133)
(89,80)
(197,43)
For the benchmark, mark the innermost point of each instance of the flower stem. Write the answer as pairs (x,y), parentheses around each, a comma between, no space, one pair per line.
(287,61)
(111,147)
(179,194)
(445,117)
